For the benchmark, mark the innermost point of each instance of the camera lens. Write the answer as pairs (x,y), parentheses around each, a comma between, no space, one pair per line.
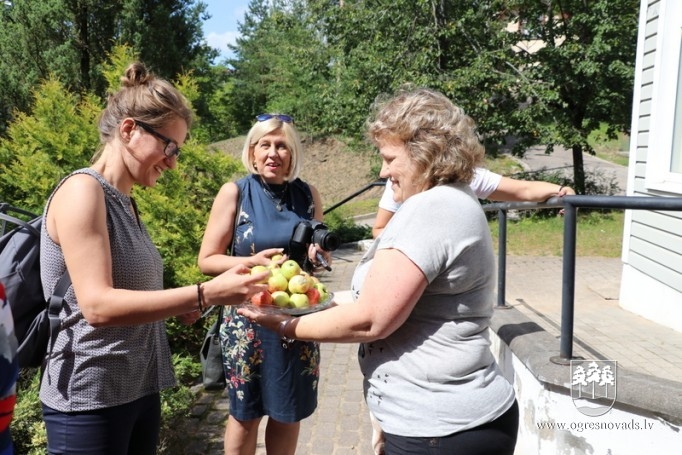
(328,241)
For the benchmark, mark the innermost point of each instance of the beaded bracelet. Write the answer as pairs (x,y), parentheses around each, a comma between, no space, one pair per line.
(200,298)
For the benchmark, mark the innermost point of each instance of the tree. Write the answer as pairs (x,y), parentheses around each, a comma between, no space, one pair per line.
(70,40)
(568,68)
(280,64)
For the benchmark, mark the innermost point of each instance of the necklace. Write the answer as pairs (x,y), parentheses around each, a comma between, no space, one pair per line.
(277,195)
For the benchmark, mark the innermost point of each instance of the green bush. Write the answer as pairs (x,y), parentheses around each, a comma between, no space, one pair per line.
(346,228)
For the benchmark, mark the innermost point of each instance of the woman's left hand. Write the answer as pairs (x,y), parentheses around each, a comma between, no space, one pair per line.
(266,319)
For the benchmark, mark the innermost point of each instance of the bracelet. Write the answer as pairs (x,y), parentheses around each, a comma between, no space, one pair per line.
(282,327)
(200,298)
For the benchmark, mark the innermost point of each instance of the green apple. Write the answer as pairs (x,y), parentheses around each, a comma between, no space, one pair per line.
(308,277)
(290,268)
(281,299)
(299,300)
(277,282)
(322,289)
(276,257)
(256,269)
(298,284)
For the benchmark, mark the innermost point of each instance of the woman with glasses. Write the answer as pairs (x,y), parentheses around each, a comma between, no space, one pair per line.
(423,293)
(254,219)
(101,383)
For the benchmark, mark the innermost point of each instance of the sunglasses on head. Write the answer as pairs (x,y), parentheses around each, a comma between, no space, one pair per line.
(282,117)
(170,147)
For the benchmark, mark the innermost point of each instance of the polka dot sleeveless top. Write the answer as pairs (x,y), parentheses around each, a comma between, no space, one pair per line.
(93,368)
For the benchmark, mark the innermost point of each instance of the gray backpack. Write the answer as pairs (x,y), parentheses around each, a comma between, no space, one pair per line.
(36,321)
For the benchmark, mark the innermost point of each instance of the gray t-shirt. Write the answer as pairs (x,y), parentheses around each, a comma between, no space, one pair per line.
(435,375)
(92,368)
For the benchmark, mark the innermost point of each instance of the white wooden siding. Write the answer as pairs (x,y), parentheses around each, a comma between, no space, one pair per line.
(655,238)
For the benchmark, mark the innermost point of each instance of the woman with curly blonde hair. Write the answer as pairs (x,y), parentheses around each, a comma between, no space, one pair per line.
(423,293)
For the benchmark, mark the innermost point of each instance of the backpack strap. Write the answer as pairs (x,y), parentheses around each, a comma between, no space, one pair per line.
(6,218)
(54,307)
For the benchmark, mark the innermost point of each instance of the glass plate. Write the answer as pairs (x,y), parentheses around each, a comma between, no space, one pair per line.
(328,303)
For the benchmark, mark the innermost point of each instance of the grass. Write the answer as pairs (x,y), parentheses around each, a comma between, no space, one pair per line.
(356,208)
(612,150)
(597,235)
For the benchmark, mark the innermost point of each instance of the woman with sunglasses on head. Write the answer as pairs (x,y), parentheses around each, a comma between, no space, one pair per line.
(423,293)
(101,382)
(266,375)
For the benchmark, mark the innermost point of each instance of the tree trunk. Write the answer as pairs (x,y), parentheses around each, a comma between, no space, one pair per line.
(84,45)
(578,169)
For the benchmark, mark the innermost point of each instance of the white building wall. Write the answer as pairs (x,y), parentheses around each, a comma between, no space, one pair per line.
(651,284)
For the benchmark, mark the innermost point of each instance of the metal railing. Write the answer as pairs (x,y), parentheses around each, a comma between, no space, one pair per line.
(570,204)
(369,186)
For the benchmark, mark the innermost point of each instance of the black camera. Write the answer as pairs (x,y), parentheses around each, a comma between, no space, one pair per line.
(307,232)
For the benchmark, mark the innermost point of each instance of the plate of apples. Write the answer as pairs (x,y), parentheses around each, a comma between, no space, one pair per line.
(291,290)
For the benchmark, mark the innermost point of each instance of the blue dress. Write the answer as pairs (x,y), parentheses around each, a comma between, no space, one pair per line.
(266,375)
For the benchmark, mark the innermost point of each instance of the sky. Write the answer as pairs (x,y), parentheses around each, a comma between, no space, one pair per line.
(221,28)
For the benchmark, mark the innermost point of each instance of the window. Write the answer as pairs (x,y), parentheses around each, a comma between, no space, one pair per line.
(676,159)
(664,156)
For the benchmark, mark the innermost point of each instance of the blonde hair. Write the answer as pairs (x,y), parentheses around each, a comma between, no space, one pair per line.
(144,97)
(439,137)
(291,139)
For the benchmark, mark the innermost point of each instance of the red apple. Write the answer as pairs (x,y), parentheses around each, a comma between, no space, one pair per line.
(313,296)
(262,298)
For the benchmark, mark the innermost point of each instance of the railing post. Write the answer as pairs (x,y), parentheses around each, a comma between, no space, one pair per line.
(502,260)
(568,286)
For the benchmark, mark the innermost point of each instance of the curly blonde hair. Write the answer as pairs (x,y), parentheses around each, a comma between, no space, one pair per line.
(439,137)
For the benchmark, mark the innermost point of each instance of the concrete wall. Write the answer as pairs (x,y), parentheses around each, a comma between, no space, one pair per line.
(551,424)
(646,416)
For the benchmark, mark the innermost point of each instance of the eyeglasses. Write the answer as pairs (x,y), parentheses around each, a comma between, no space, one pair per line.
(170,148)
(281,117)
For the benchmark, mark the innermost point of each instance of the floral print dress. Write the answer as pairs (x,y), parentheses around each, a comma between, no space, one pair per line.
(265,374)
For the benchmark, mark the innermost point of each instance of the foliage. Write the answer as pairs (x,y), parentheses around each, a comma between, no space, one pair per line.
(70,40)
(175,404)
(531,73)
(574,62)
(59,136)
(28,428)
(280,65)
(346,228)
